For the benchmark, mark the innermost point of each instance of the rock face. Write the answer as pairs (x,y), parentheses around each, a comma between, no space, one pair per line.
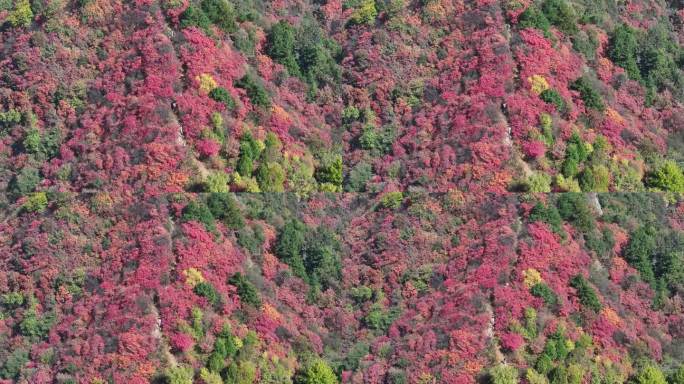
(592,197)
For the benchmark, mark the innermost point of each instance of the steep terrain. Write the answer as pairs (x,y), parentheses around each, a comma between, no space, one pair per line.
(386,289)
(360,191)
(157,97)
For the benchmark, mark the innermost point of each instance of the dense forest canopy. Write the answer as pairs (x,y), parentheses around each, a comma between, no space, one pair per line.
(328,191)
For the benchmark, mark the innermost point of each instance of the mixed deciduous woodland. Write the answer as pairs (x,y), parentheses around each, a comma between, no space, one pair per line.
(356,288)
(328,191)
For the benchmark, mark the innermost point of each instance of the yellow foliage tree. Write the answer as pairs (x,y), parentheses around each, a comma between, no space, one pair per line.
(538,84)
(210,377)
(21,15)
(37,202)
(531,277)
(206,83)
(365,14)
(193,277)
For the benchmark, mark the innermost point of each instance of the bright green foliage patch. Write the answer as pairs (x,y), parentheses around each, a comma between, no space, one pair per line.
(591,97)
(552,96)
(317,372)
(255,91)
(246,290)
(667,177)
(586,293)
(224,207)
(208,291)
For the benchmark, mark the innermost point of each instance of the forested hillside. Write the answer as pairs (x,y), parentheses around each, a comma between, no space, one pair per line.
(391,288)
(152,97)
(326,191)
